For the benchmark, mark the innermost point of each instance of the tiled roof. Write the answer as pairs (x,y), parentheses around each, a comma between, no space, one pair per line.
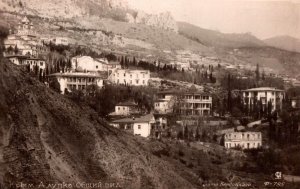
(78,74)
(142,119)
(263,89)
(126,104)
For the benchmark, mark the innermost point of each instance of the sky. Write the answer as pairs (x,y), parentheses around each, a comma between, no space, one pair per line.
(262,18)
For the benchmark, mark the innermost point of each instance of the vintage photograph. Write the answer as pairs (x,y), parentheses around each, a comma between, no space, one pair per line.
(149,94)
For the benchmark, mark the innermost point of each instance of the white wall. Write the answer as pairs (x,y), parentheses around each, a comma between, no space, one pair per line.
(122,110)
(87,63)
(63,81)
(142,129)
(130,77)
(245,140)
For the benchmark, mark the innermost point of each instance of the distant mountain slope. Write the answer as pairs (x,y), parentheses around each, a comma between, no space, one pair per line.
(284,42)
(217,39)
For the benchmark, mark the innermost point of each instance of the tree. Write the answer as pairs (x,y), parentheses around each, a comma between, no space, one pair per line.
(134,62)
(197,134)
(10,49)
(186,133)
(16,50)
(263,75)
(257,73)
(229,100)
(122,62)
(54,84)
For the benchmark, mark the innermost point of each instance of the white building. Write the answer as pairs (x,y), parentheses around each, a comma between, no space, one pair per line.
(141,126)
(125,109)
(27,60)
(187,103)
(195,103)
(60,41)
(130,77)
(244,140)
(165,102)
(77,81)
(17,59)
(265,95)
(87,63)
(32,61)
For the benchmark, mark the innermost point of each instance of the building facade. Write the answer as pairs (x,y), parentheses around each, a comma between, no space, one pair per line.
(183,103)
(165,102)
(32,62)
(87,63)
(27,60)
(266,95)
(244,140)
(195,103)
(125,109)
(140,126)
(130,77)
(77,81)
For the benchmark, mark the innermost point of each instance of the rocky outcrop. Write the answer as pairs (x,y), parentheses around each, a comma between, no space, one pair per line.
(162,20)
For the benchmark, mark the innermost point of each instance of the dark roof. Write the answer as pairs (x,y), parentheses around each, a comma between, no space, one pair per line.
(126,104)
(263,89)
(178,92)
(141,119)
(17,56)
(78,74)
(114,63)
(34,58)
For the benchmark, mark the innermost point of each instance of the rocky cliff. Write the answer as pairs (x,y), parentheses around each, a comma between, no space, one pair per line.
(162,20)
(67,8)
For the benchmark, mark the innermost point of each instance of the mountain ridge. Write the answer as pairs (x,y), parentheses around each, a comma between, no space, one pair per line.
(284,42)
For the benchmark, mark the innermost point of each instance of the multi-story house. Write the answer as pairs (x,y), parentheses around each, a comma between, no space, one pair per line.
(165,102)
(266,95)
(244,140)
(28,60)
(32,62)
(195,103)
(184,103)
(130,77)
(77,81)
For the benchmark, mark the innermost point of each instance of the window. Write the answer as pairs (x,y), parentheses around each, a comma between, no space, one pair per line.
(130,76)
(124,74)
(96,67)
(143,75)
(143,81)
(41,63)
(139,126)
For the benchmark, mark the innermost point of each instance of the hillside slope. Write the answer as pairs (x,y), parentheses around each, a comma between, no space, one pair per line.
(47,138)
(284,42)
(217,39)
